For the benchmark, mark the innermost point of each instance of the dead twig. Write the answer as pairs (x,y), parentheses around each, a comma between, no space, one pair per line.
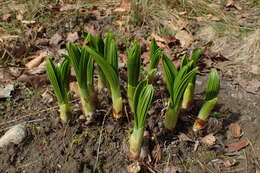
(100,137)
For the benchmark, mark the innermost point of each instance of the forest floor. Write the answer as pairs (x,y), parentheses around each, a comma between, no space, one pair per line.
(228,33)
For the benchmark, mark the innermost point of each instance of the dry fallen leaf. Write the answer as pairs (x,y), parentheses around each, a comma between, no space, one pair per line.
(178,24)
(72,37)
(184,138)
(185,38)
(209,140)
(235,130)
(231,3)
(5,90)
(55,39)
(257,170)
(38,59)
(90,29)
(237,146)
(39,69)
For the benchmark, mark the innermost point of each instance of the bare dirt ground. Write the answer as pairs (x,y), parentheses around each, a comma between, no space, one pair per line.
(227,31)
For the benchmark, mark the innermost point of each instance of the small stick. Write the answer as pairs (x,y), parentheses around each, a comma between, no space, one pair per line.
(100,137)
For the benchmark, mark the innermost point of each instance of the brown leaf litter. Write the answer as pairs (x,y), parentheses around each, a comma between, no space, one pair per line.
(237,146)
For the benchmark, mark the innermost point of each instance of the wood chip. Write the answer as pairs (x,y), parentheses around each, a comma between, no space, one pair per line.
(209,140)
(237,146)
(184,138)
(234,130)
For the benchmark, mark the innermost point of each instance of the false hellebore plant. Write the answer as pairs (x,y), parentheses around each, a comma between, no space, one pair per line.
(59,77)
(97,43)
(176,82)
(141,101)
(155,55)
(189,91)
(83,66)
(108,63)
(133,71)
(210,100)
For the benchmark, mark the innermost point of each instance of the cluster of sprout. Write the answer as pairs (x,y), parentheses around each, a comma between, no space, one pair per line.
(103,51)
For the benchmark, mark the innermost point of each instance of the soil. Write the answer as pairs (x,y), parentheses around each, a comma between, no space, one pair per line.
(102,145)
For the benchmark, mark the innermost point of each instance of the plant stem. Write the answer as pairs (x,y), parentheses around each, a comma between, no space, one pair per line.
(65,112)
(117,103)
(204,113)
(130,92)
(136,139)
(188,96)
(171,117)
(207,108)
(88,103)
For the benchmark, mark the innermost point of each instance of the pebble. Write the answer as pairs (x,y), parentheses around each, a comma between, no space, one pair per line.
(15,135)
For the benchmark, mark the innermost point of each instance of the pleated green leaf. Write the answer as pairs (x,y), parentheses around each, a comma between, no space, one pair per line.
(108,70)
(155,54)
(133,64)
(110,53)
(142,100)
(59,77)
(213,86)
(181,82)
(170,73)
(83,66)
(65,73)
(196,56)
(74,55)
(184,60)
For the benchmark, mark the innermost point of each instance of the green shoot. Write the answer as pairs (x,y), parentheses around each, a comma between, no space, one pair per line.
(97,43)
(189,92)
(83,66)
(109,68)
(210,100)
(176,82)
(59,77)
(133,71)
(142,99)
(155,54)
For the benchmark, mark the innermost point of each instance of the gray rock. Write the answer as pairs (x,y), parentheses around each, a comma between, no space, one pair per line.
(15,135)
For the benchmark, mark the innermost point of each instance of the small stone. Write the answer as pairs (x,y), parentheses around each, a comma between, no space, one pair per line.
(15,135)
